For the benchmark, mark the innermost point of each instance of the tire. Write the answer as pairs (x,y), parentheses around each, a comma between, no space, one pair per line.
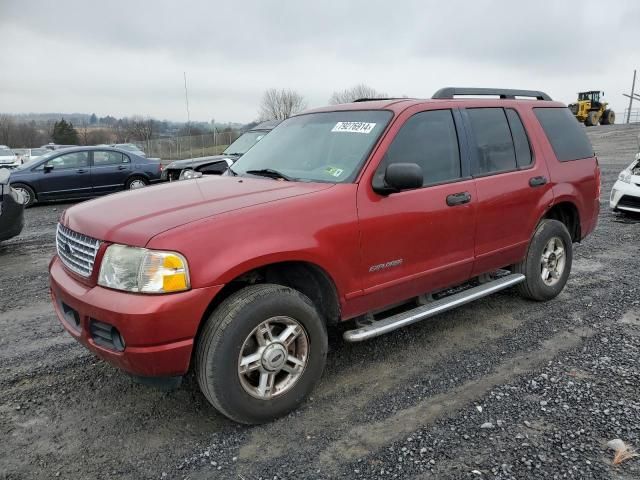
(534,287)
(228,336)
(608,117)
(136,182)
(27,193)
(592,119)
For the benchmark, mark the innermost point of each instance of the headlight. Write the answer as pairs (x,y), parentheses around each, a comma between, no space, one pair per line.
(189,174)
(625,176)
(141,270)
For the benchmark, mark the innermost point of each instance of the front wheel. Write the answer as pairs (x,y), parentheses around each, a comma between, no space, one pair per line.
(27,193)
(260,353)
(548,262)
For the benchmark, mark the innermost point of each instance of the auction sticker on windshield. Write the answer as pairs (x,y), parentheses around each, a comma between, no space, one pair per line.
(353,127)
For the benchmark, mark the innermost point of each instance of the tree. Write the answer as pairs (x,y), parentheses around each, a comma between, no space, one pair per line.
(64,133)
(93,119)
(280,104)
(354,93)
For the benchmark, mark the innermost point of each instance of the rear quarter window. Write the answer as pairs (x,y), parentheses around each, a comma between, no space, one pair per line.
(567,137)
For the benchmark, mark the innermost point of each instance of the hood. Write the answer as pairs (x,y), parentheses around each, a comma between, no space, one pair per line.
(195,162)
(136,216)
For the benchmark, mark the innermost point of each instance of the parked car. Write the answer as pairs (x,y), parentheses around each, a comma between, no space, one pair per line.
(82,172)
(8,158)
(130,147)
(54,146)
(218,164)
(369,211)
(26,154)
(11,208)
(625,194)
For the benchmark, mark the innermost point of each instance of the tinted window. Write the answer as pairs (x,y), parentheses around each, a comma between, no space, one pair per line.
(493,140)
(70,160)
(108,158)
(566,135)
(428,139)
(520,140)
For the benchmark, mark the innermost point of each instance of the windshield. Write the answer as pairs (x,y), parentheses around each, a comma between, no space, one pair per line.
(5,152)
(36,152)
(323,147)
(31,162)
(244,143)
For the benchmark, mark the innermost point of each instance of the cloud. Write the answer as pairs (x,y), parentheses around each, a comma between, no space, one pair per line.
(123,58)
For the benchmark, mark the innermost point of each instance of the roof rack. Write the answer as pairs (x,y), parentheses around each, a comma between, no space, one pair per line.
(504,93)
(379,98)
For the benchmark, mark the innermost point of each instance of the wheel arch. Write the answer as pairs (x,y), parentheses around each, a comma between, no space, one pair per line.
(307,277)
(28,184)
(567,213)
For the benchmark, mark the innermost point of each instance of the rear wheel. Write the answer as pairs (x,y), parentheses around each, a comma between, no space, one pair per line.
(27,193)
(260,353)
(136,182)
(548,262)
(592,119)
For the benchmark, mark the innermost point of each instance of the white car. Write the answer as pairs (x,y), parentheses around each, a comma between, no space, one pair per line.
(8,159)
(625,195)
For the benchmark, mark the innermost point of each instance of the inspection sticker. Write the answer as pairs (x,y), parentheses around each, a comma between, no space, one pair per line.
(334,172)
(353,127)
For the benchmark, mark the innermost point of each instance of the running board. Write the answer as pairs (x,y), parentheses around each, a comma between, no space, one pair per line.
(380,327)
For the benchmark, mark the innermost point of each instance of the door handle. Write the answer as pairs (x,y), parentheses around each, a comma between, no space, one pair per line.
(458,198)
(121,167)
(81,170)
(537,181)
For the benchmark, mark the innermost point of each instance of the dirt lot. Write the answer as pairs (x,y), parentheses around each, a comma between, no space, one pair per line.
(503,388)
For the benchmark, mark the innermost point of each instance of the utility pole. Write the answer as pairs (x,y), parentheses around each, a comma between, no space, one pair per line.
(186,99)
(631,97)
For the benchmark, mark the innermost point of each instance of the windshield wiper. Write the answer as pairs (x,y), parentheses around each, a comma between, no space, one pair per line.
(232,171)
(271,173)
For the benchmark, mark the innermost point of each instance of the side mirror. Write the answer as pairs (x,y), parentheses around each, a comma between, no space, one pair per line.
(400,176)
(48,168)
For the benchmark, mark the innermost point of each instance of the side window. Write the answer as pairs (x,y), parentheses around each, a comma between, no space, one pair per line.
(567,137)
(428,139)
(493,140)
(520,140)
(70,160)
(101,158)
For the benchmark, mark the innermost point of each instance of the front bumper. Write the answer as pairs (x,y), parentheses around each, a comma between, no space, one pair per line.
(625,196)
(158,330)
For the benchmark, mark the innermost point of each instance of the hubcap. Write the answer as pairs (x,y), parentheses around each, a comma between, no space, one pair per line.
(552,262)
(273,357)
(137,184)
(24,194)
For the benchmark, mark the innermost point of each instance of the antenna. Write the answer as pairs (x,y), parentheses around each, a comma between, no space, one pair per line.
(186,99)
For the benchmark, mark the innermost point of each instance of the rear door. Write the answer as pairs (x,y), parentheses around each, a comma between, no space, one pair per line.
(512,184)
(65,176)
(110,171)
(420,240)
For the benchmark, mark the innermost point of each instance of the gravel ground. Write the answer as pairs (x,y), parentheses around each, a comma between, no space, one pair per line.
(503,388)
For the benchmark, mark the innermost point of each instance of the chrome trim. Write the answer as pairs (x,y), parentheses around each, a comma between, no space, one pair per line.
(77,251)
(380,327)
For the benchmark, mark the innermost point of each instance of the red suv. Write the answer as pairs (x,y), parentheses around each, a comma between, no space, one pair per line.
(370,211)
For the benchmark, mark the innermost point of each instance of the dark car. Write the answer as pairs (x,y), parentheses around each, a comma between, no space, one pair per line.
(11,208)
(218,164)
(82,172)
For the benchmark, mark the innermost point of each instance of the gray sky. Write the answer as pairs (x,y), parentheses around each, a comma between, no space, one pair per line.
(127,57)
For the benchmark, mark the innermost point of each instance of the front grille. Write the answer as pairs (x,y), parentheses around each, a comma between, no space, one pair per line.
(629,201)
(77,251)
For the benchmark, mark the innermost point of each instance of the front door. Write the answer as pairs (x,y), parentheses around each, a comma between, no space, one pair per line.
(110,171)
(66,176)
(418,241)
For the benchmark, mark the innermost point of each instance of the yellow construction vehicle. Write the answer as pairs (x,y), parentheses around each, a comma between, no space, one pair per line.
(590,110)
